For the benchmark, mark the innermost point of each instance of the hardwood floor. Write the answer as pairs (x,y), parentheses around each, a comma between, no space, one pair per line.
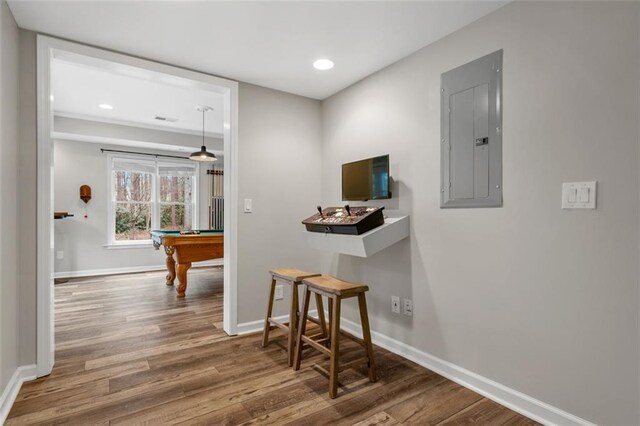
(129,352)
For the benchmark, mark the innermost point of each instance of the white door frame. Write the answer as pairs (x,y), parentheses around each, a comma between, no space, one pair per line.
(48,48)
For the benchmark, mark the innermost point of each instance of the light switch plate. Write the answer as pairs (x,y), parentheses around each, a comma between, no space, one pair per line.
(248,205)
(579,195)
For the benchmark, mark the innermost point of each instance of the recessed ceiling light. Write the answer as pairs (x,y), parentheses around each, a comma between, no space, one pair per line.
(105,106)
(323,64)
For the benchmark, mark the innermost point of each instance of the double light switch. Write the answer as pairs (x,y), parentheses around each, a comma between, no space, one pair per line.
(579,195)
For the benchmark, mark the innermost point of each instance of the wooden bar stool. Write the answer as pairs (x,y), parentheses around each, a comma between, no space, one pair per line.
(293,277)
(335,290)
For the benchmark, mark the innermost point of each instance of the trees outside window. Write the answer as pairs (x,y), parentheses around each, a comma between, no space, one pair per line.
(176,200)
(149,195)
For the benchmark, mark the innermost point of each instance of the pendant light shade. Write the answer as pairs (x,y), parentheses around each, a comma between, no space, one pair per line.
(203,154)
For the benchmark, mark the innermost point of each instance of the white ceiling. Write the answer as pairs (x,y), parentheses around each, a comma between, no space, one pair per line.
(272,44)
(78,89)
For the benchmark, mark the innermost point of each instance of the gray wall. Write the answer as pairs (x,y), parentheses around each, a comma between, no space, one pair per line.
(83,240)
(9,358)
(279,156)
(542,300)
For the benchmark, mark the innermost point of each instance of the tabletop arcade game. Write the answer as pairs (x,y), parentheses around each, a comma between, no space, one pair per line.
(345,220)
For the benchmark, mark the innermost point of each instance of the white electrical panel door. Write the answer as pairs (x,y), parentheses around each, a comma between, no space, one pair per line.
(471,134)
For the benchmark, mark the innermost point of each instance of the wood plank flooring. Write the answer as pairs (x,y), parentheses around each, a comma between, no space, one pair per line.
(129,352)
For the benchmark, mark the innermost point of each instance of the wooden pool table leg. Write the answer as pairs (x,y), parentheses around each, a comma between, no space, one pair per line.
(171,265)
(182,278)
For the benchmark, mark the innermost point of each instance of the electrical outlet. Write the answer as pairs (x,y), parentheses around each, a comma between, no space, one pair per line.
(59,255)
(408,307)
(279,292)
(395,304)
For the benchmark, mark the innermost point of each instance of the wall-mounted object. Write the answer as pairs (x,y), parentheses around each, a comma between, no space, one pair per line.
(471,134)
(393,230)
(579,195)
(216,199)
(366,180)
(85,193)
(61,215)
(345,220)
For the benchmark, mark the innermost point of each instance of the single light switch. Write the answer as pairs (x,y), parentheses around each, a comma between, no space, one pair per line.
(248,205)
(579,195)
(584,194)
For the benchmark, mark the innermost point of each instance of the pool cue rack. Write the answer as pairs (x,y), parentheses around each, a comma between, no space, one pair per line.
(216,199)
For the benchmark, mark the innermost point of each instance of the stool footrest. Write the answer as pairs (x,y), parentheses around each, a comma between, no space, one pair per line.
(282,326)
(316,345)
(314,320)
(322,340)
(314,335)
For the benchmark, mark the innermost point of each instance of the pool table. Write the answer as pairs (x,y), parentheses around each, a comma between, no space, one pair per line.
(182,249)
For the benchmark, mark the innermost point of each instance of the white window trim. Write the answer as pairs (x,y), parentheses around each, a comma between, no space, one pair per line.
(112,243)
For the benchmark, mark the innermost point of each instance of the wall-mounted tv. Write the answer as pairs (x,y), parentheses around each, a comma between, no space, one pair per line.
(366,179)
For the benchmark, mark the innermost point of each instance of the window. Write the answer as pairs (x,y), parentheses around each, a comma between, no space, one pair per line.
(176,200)
(150,194)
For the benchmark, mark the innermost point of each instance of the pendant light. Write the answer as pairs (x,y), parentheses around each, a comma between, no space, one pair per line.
(203,154)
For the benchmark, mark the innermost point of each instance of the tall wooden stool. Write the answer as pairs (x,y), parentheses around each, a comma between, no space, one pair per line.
(335,290)
(293,277)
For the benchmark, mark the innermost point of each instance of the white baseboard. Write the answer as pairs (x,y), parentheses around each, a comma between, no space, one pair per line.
(255,326)
(10,392)
(513,399)
(128,270)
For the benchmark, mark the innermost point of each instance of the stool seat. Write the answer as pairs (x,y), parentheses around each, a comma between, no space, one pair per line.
(292,274)
(333,285)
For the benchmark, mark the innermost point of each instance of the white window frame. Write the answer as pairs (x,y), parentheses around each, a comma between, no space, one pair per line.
(155,196)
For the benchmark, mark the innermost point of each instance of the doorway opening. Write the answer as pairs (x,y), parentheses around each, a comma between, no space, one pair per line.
(127,126)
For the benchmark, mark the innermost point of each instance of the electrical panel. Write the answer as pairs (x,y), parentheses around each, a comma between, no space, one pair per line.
(471,134)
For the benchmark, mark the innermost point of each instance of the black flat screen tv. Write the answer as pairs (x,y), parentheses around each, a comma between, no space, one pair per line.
(366,179)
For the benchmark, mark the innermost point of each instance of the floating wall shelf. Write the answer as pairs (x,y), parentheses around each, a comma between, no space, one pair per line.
(364,245)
